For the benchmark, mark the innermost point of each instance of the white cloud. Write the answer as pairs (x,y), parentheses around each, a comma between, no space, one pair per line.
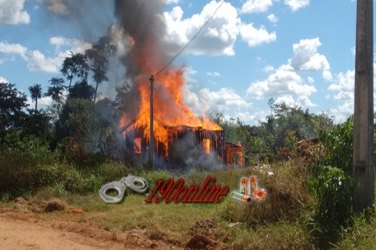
(37,61)
(43,102)
(171,1)
(217,38)
(342,112)
(251,117)
(12,48)
(268,69)
(286,99)
(343,89)
(63,42)
(307,58)
(272,18)
(344,86)
(327,75)
(12,12)
(214,74)
(205,101)
(305,102)
(252,6)
(256,36)
(284,81)
(296,4)
(301,101)
(2,79)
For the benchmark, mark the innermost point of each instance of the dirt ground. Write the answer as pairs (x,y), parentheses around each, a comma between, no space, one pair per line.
(28,230)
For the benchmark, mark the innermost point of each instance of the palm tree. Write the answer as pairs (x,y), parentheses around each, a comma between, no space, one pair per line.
(36,92)
(56,91)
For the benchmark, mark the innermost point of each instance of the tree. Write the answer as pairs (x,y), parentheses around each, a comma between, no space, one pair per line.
(35,92)
(75,66)
(81,90)
(12,105)
(98,56)
(56,91)
(79,120)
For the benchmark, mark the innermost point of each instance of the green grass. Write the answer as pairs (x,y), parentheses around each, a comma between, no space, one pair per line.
(238,225)
(278,223)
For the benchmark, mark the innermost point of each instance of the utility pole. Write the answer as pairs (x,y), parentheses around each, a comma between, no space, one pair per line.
(363,108)
(151,141)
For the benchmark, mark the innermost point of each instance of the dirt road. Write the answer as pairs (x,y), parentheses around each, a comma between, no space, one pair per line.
(26,230)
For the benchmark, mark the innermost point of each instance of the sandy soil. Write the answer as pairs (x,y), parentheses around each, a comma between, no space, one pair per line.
(27,230)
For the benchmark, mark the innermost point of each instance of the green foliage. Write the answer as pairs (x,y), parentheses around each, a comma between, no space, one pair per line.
(332,185)
(78,182)
(25,166)
(80,121)
(333,190)
(98,59)
(81,90)
(75,66)
(38,124)
(36,93)
(286,194)
(56,91)
(288,125)
(338,144)
(12,104)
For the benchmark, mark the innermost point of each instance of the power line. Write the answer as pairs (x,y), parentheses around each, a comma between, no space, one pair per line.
(190,41)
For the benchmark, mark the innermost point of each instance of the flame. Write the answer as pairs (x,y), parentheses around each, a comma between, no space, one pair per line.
(206,144)
(170,112)
(137,146)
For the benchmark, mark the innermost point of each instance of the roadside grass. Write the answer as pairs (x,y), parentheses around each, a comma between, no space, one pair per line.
(277,223)
(236,224)
(362,235)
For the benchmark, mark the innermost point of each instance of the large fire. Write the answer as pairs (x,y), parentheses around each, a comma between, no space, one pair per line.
(170,112)
(142,29)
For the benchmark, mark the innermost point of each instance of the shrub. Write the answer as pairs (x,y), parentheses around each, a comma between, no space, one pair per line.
(338,145)
(77,182)
(26,167)
(333,190)
(286,193)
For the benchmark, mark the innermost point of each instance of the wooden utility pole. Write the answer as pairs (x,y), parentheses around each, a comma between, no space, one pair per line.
(151,141)
(363,108)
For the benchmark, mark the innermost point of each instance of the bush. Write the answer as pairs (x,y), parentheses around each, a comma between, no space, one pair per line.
(286,193)
(333,190)
(76,182)
(338,145)
(26,167)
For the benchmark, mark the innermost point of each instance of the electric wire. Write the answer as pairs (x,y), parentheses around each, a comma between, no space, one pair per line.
(190,41)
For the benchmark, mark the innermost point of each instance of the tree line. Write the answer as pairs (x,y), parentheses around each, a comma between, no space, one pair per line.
(73,113)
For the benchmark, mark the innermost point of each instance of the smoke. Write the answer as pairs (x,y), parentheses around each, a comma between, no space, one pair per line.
(82,16)
(138,29)
(192,155)
(143,24)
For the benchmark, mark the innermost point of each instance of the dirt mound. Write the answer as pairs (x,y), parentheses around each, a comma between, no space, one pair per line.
(201,242)
(203,227)
(55,205)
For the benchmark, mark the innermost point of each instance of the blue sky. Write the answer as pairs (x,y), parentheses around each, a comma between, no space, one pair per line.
(296,51)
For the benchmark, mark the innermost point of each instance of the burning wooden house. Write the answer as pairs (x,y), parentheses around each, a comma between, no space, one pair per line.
(178,135)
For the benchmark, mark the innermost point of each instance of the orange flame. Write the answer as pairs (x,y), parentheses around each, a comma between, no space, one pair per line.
(170,111)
